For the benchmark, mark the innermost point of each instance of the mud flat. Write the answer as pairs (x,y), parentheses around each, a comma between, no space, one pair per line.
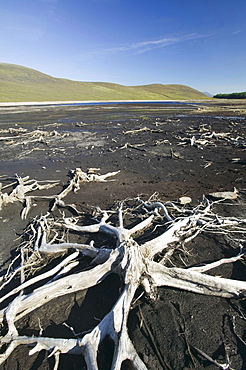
(176,150)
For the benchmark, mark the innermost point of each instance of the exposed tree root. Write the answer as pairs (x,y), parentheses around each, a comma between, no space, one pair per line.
(23,186)
(137,233)
(203,136)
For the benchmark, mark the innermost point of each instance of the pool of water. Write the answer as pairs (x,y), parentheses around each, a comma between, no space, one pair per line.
(209,116)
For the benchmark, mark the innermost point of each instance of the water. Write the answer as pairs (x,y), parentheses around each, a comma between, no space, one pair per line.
(147,102)
(209,116)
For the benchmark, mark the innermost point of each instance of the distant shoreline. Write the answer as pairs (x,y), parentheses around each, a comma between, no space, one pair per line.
(43,103)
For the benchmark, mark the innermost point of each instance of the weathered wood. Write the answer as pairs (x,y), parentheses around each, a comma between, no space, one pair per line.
(132,261)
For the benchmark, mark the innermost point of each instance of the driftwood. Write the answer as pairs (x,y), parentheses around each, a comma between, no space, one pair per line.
(23,186)
(25,137)
(197,137)
(203,136)
(50,141)
(200,137)
(224,194)
(140,262)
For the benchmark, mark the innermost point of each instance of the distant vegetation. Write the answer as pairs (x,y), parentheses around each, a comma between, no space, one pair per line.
(18,83)
(236,95)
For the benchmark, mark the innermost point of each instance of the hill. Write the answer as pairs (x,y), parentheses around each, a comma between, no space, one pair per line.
(18,83)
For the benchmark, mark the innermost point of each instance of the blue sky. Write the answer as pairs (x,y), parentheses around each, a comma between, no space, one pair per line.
(199,43)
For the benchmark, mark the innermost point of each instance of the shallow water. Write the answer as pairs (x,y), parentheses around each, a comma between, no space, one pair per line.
(174,102)
(209,116)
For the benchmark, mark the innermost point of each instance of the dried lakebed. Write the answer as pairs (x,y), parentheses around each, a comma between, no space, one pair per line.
(148,273)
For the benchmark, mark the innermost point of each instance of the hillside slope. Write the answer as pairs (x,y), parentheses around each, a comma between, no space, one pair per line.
(18,83)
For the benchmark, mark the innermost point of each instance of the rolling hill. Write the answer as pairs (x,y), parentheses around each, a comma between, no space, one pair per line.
(20,84)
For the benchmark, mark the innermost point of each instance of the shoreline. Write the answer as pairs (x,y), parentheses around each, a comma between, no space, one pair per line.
(44,103)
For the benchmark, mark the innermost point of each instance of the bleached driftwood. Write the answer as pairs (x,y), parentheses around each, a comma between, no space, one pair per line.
(207,137)
(142,129)
(136,131)
(23,186)
(224,194)
(134,262)
(25,137)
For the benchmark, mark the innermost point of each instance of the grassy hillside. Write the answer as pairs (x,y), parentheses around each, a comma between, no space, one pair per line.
(18,83)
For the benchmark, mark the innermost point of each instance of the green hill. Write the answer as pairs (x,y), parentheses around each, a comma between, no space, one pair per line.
(18,83)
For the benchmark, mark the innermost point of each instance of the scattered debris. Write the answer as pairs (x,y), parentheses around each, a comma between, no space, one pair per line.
(185,200)
(239,161)
(208,164)
(23,186)
(224,194)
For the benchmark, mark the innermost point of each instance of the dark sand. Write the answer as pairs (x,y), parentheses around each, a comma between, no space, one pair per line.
(96,137)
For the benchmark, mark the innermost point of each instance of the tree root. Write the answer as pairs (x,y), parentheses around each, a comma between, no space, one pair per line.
(125,253)
(23,186)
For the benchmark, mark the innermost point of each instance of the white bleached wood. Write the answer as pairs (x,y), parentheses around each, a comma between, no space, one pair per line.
(25,186)
(196,282)
(133,262)
(68,284)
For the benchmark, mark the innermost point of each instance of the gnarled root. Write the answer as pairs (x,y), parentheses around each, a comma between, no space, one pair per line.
(131,252)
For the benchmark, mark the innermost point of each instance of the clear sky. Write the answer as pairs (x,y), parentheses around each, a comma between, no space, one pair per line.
(199,43)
